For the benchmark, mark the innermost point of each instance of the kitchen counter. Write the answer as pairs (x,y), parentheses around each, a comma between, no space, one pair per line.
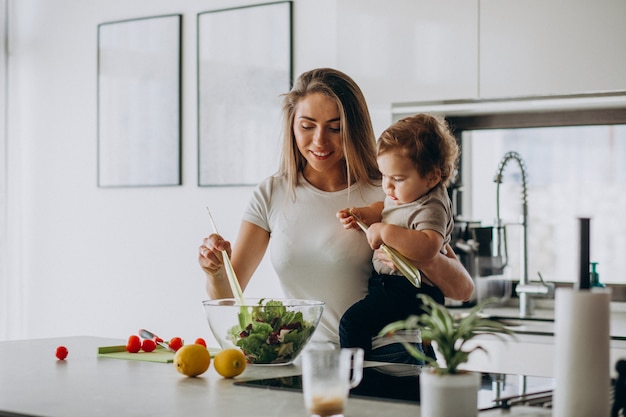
(542,320)
(34,383)
(532,352)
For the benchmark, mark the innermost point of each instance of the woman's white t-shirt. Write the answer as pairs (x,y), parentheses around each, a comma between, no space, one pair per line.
(313,255)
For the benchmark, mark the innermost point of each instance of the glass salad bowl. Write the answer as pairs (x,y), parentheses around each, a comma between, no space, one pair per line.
(268,331)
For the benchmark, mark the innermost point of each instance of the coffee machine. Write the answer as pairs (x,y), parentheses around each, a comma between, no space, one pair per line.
(482,251)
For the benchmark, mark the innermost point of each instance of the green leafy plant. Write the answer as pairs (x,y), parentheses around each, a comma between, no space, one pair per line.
(450,335)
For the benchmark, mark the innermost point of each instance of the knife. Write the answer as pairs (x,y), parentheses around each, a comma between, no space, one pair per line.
(149,335)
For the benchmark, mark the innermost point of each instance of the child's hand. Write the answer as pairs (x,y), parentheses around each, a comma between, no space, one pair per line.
(346,218)
(374,236)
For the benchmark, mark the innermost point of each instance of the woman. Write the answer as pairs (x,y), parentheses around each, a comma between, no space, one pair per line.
(328,163)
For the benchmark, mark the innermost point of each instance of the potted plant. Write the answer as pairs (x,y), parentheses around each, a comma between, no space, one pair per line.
(446,390)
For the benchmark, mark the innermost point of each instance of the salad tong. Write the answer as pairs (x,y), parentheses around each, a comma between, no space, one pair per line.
(405,266)
(230,272)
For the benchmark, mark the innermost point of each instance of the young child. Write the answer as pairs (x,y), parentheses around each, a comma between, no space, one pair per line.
(417,157)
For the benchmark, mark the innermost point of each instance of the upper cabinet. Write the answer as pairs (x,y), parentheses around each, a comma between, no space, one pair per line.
(551,47)
(409,50)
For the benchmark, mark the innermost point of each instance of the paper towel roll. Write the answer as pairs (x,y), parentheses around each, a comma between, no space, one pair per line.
(582,368)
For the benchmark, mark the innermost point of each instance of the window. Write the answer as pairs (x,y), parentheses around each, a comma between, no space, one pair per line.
(576,167)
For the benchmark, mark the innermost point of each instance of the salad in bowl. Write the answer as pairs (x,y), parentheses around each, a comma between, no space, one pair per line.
(268,331)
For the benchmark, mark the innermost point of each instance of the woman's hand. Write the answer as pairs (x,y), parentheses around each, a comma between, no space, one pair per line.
(245,256)
(384,259)
(210,253)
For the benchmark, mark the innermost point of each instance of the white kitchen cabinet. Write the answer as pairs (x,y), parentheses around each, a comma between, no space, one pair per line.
(409,50)
(551,47)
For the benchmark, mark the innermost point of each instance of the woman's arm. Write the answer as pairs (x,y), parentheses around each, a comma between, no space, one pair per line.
(449,274)
(246,256)
(444,271)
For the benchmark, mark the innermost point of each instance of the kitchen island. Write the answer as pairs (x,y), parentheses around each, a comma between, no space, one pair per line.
(34,383)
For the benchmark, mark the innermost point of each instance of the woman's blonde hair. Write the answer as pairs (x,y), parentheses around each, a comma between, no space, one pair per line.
(357,134)
(428,143)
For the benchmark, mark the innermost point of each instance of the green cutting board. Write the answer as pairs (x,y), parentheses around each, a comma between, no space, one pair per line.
(160,354)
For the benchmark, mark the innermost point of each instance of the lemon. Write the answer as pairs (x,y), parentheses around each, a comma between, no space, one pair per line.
(192,360)
(229,362)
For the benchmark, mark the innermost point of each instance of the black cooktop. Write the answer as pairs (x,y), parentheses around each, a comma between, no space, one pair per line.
(394,382)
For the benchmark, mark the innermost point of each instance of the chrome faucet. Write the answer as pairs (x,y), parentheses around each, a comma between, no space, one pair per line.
(525,289)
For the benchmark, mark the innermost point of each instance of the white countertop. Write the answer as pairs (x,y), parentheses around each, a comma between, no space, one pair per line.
(33,382)
(541,322)
(533,352)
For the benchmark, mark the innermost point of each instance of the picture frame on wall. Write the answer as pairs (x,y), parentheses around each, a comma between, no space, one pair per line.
(244,66)
(139,102)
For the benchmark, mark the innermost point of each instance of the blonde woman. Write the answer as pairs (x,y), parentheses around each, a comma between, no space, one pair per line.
(328,162)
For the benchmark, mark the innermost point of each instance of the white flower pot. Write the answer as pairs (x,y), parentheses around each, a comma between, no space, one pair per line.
(449,395)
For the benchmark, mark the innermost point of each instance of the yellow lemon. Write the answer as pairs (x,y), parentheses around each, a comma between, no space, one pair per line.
(192,360)
(229,362)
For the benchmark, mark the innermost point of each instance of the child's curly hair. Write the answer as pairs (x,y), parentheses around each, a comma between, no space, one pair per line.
(427,141)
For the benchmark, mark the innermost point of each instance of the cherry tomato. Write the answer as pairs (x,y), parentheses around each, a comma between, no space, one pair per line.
(148,345)
(176,343)
(134,343)
(200,341)
(61,353)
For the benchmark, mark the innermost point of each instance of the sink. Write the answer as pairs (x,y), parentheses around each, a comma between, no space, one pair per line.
(529,325)
(546,327)
(521,325)
(542,323)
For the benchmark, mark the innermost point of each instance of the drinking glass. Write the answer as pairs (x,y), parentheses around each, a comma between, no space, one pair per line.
(327,379)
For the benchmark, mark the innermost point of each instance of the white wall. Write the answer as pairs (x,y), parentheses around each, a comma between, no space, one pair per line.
(79,260)
(105,262)
(4,282)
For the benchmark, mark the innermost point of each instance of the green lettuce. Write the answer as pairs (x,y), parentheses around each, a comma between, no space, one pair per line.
(269,333)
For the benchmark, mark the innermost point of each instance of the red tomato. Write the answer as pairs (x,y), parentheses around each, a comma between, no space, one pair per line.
(176,343)
(200,341)
(134,343)
(148,345)
(61,353)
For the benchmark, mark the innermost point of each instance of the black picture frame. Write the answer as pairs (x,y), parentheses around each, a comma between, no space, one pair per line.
(244,66)
(139,102)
